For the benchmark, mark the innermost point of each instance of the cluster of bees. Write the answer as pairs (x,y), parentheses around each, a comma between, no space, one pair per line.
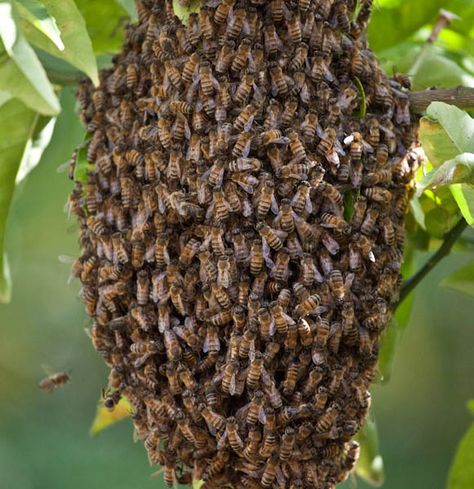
(242,234)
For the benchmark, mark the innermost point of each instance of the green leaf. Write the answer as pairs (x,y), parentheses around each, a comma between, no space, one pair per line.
(461,474)
(77,44)
(36,14)
(436,143)
(5,96)
(82,167)
(446,132)
(198,484)
(105,418)
(363,99)
(458,170)
(8,29)
(370,464)
(27,81)
(105,21)
(457,123)
(434,69)
(461,280)
(18,122)
(464,196)
(393,334)
(470,406)
(129,6)
(183,12)
(36,146)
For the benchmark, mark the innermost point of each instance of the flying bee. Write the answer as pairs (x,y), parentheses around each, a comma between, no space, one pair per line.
(54,381)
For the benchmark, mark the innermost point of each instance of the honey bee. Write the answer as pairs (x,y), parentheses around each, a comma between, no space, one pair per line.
(242,55)
(242,145)
(342,16)
(287,443)
(207,80)
(272,42)
(244,121)
(378,194)
(54,381)
(215,421)
(309,127)
(205,24)
(327,418)
(229,377)
(289,384)
(320,70)
(336,223)
(254,371)
(222,11)
(281,269)
(308,305)
(244,88)
(225,56)
(270,235)
(279,83)
(269,473)
(331,193)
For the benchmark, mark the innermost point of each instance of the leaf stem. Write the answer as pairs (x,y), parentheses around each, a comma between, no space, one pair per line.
(449,239)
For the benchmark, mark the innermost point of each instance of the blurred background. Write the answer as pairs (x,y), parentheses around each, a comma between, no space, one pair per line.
(44,439)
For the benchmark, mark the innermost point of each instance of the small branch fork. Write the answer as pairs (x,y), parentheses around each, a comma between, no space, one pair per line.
(450,238)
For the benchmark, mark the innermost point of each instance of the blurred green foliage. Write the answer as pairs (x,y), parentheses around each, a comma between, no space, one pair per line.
(45,441)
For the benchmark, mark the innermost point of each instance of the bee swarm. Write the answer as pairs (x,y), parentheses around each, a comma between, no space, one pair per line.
(242,234)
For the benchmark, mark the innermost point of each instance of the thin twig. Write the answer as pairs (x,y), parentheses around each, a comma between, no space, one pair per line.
(443,251)
(462,97)
(444,19)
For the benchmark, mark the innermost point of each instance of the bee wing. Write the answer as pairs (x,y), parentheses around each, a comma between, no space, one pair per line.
(262,417)
(248,124)
(272,327)
(222,441)
(274,206)
(233,385)
(333,158)
(367,147)
(252,351)
(319,131)
(289,319)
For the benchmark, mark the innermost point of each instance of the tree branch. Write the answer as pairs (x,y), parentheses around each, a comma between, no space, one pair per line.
(443,251)
(462,97)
